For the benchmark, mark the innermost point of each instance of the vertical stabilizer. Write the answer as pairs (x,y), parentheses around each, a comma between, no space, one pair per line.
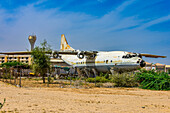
(64,44)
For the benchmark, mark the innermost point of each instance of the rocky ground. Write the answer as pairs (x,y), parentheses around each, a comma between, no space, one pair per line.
(102,100)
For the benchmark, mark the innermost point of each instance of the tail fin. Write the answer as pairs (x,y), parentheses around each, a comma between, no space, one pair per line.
(64,44)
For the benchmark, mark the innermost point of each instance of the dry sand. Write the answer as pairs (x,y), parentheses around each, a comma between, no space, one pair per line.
(102,100)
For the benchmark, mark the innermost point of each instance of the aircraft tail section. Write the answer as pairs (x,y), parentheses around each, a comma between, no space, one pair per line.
(64,44)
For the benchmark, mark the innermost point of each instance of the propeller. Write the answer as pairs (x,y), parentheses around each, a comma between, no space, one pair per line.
(152,56)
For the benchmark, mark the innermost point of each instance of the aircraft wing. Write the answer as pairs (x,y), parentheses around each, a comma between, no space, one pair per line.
(87,53)
(54,53)
(80,54)
(76,52)
(152,56)
(17,53)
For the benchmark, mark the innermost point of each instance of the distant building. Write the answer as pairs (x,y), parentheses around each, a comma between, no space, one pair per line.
(19,58)
(157,67)
(148,66)
(167,67)
(160,67)
(27,60)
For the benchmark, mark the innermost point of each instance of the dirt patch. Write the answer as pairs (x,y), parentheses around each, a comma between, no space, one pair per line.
(114,100)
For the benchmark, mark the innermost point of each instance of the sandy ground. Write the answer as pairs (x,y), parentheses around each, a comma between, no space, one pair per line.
(101,100)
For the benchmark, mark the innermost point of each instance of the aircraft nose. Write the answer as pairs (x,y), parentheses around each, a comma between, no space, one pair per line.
(142,63)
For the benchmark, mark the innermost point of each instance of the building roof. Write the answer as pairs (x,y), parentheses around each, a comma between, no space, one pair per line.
(148,64)
(167,66)
(158,64)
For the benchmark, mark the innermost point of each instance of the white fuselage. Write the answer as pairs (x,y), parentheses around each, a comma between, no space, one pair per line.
(105,61)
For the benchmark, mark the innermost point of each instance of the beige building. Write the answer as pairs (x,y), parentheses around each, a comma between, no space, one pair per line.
(157,66)
(167,67)
(27,60)
(19,58)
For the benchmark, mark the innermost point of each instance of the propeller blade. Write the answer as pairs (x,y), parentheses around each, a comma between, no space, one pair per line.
(152,56)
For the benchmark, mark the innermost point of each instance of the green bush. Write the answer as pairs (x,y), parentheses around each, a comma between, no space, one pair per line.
(99,84)
(55,78)
(97,79)
(153,80)
(68,78)
(106,75)
(50,80)
(124,80)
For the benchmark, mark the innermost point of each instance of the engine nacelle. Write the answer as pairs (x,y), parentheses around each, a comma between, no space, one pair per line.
(80,55)
(55,54)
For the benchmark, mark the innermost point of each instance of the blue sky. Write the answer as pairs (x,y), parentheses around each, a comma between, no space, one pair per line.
(141,26)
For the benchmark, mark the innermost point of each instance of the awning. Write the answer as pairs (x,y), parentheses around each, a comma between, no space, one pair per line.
(62,67)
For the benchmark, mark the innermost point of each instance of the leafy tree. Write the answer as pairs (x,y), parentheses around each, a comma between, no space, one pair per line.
(41,60)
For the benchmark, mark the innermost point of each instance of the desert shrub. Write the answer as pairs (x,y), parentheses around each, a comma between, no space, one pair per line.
(50,79)
(1,105)
(98,79)
(106,75)
(90,79)
(153,80)
(72,78)
(55,78)
(99,84)
(124,80)
(6,76)
(37,79)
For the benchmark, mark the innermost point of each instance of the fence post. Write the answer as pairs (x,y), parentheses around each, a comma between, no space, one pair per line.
(48,78)
(20,77)
(6,75)
(10,75)
(70,77)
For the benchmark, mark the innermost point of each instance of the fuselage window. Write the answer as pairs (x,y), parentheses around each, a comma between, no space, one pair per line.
(106,61)
(111,61)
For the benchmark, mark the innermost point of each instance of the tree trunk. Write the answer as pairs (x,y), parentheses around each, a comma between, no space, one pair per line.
(43,78)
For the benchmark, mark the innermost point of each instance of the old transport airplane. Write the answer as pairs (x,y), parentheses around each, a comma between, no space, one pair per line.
(92,62)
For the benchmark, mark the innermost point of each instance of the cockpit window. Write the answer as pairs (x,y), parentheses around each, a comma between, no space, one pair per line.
(130,56)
